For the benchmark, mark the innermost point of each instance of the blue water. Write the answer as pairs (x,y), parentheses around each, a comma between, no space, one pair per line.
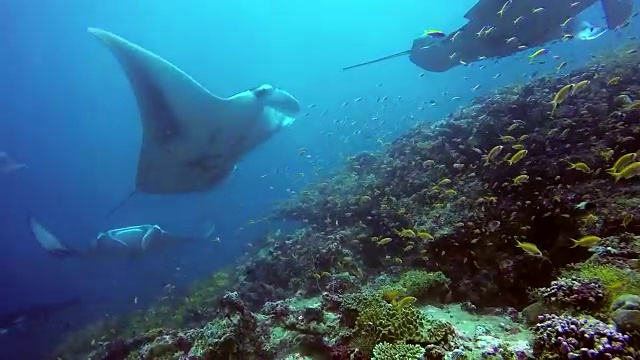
(68,112)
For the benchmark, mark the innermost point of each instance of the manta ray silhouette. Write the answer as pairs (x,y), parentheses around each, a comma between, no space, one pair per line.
(508,20)
(124,242)
(192,139)
(32,314)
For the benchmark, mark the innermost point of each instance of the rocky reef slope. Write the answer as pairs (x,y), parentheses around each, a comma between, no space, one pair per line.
(511,207)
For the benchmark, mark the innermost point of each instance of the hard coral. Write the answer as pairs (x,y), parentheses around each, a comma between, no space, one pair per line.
(626,313)
(566,337)
(387,351)
(391,323)
(385,322)
(580,294)
(418,283)
(615,279)
(439,332)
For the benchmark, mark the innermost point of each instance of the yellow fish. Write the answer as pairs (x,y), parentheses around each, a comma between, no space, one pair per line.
(407,300)
(586,241)
(513,127)
(622,162)
(493,153)
(634,105)
(507,138)
(614,81)
(520,179)
(517,157)
(580,166)
(425,235)
(406,233)
(384,241)
(579,86)
(629,171)
(537,53)
(529,248)
(560,96)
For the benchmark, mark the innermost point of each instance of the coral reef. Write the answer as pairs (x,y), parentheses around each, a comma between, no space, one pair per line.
(498,205)
(581,294)
(626,313)
(423,284)
(567,337)
(386,351)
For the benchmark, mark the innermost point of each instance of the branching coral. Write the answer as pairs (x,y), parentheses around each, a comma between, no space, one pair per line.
(419,282)
(440,333)
(387,351)
(392,323)
(379,321)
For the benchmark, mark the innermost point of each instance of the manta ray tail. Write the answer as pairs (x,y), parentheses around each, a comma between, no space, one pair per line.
(121,203)
(49,242)
(402,53)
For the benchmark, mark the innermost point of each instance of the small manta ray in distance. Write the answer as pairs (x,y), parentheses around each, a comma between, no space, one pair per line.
(32,314)
(128,242)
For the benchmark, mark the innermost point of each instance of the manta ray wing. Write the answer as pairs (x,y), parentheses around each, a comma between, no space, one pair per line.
(486,33)
(49,241)
(617,12)
(191,139)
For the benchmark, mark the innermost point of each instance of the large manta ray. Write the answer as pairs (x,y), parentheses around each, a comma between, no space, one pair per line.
(509,19)
(192,139)
(128,242)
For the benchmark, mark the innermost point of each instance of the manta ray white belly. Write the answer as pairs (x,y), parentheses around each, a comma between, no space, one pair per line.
(191,139)
(588,31)
(132,240)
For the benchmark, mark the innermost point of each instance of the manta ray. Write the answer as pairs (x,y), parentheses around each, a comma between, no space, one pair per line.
(192,139)
(124,242)
(32,314)
(492,22)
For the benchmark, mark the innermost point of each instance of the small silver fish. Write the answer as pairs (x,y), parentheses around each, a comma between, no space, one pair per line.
(493,225)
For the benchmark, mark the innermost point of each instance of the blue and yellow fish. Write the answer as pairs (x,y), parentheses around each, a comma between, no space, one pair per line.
(436,34)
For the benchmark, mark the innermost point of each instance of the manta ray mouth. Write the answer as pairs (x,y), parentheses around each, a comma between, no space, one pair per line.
(284,102)
(277,99)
